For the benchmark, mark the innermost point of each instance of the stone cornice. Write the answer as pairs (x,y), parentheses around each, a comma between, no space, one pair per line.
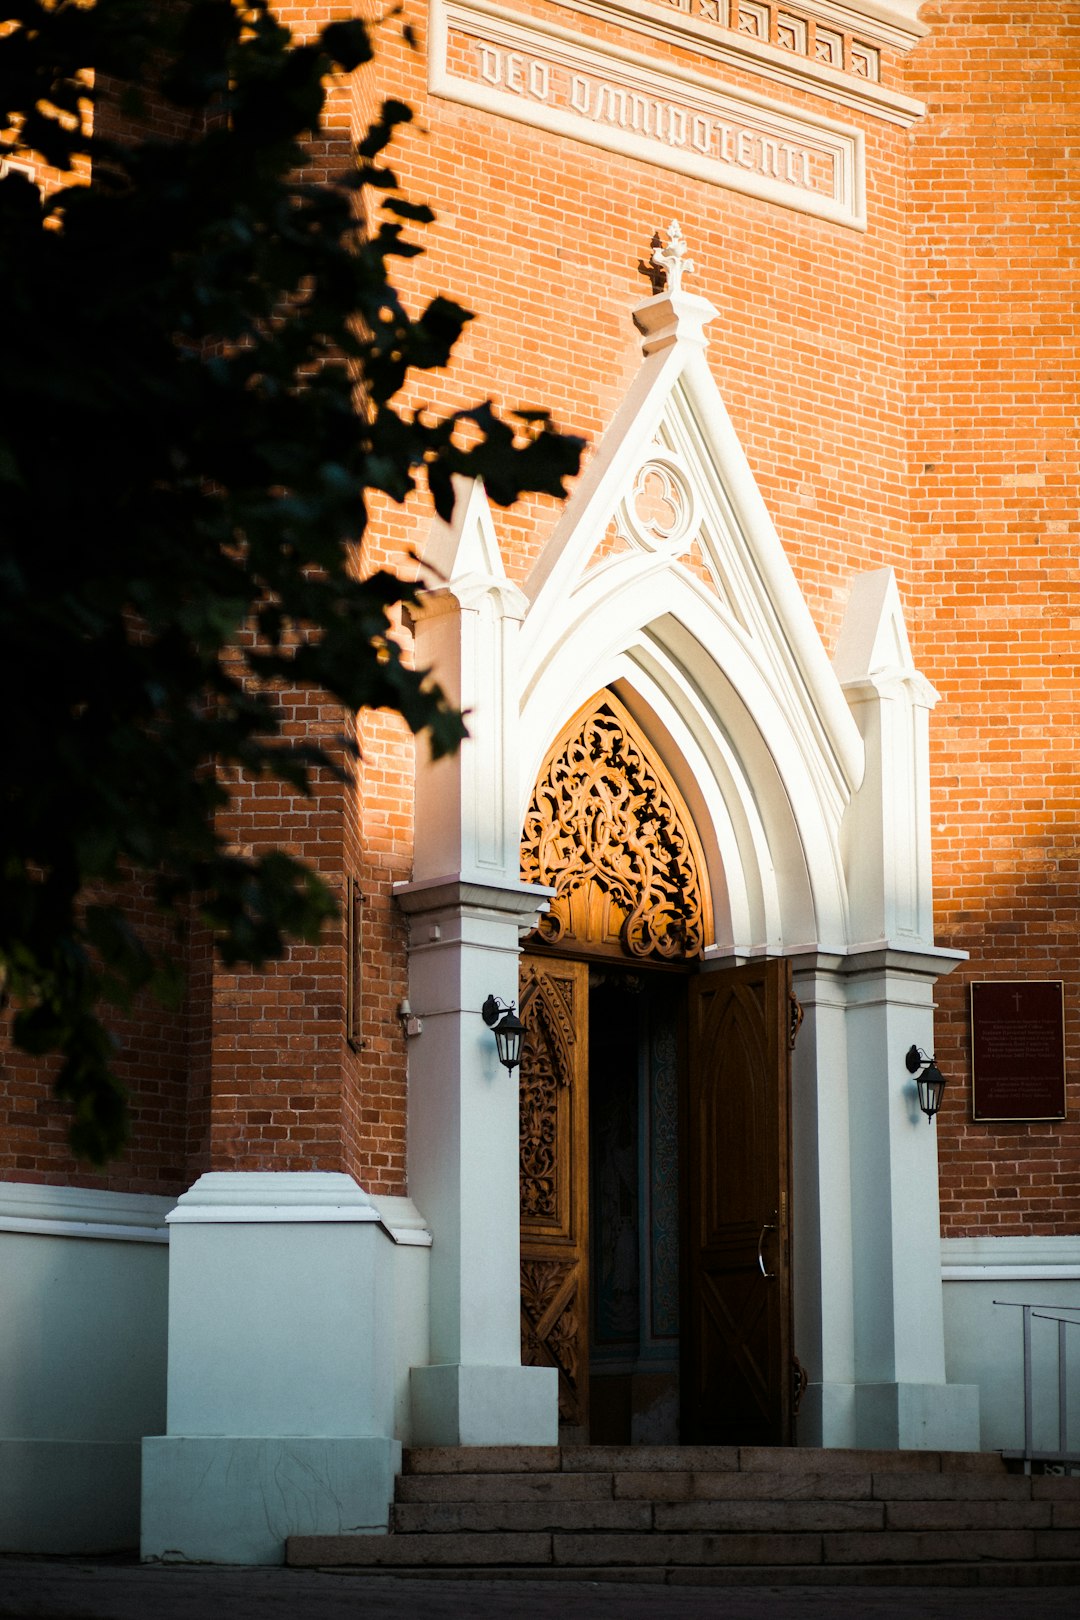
(875,957)
(779,66)
(520,901)
(896,26)
(1011,1259)
(83,1212)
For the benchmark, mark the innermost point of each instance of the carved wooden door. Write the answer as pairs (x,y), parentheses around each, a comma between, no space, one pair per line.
(736,1352)
(554,1180)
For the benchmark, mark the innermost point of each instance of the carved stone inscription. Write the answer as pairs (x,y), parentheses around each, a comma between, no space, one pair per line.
(606,102)
(547,77)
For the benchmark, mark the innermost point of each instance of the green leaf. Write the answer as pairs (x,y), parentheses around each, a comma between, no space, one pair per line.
(201,397)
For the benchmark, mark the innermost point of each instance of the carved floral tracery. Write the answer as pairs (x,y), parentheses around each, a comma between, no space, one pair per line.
(541,1077)
(607,829)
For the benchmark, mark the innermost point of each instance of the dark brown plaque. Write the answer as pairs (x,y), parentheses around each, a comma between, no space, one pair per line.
(1018,1049)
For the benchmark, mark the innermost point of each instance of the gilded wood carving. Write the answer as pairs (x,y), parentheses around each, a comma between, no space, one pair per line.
(541,1077)
(608,830)
(554,1170)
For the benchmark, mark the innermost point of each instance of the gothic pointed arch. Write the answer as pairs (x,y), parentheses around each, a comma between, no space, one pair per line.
(608,829)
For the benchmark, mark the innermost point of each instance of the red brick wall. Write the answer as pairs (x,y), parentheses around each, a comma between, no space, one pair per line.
(992,259)
(152,1063)
(906,396)
(542,238)
(154,1058)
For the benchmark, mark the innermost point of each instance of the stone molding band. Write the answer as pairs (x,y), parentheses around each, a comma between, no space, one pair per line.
(546,76)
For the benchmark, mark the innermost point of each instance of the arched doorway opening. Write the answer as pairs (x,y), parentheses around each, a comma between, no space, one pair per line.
(655,1159)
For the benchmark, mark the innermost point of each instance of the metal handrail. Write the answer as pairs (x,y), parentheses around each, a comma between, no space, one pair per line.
(1045,1313)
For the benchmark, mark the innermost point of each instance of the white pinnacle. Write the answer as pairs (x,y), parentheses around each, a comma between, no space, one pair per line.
(674,260)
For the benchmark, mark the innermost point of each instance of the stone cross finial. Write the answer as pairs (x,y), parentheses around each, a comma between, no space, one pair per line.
(674,262)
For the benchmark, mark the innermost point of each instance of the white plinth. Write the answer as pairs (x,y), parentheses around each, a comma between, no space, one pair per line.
(234,1500)
(281,1385)
(917,1417)
(455,1405)
(827,1416)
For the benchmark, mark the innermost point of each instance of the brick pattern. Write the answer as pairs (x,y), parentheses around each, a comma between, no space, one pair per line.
(994,467)
(153,1065)
(905,398)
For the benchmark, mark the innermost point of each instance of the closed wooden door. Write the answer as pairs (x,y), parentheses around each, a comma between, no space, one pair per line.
(554,1082)
(737,1369)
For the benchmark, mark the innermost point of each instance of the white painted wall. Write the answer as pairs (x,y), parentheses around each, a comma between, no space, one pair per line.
(984,1341)
(83,1323)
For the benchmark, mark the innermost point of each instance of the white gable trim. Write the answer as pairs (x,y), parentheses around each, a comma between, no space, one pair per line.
(741,672)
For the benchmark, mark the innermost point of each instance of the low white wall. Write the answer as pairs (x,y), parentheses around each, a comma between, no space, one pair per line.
(83,1330)
(984,1340)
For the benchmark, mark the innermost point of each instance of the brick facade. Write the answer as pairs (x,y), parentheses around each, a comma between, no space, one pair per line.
(992,348)
(905,398)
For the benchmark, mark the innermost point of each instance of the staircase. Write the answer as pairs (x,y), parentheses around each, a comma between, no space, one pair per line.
(708,1515)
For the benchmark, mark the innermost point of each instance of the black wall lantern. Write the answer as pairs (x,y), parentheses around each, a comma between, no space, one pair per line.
(928,1078)
(507,1028)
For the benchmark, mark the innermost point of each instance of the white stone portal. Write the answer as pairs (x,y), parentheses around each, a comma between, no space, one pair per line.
(666,581)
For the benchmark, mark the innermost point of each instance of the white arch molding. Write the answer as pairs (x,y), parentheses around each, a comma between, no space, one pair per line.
(808,784)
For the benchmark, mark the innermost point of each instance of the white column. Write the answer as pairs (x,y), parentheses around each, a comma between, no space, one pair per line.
(463,1170)
(902,1399)
(467,910)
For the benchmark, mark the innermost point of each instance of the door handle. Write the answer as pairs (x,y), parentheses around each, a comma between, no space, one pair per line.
(768,1227)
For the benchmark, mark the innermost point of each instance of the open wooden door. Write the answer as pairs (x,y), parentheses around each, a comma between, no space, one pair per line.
(554,1094)
(737,1368)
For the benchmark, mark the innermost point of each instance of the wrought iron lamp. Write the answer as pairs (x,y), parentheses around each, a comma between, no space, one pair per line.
(507,1028)
(928,1078)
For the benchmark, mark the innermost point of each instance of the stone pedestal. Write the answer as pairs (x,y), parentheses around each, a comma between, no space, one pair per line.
(280,1384)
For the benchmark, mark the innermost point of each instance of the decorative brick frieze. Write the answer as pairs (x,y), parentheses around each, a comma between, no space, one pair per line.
(794,29)
(783,45)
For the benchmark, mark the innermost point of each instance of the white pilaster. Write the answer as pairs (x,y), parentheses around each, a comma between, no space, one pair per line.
(886,830)
(468,815)
(467,910)
(902,1398)
(463,1170)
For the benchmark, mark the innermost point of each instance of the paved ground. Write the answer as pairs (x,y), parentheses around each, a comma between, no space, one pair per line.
(71,1589)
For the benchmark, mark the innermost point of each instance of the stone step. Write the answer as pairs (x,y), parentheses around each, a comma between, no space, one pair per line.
(509,1487)
(685,1486)
(669,1550)
(691,1459)
(735,1511)
(679,1515)
(421,1518)
(996,1574)
(645,1517)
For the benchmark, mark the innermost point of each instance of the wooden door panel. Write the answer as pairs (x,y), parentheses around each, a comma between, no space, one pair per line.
(737,1282)
(554,1113)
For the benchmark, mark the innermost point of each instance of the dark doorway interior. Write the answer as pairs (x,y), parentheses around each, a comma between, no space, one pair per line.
(634,1206)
